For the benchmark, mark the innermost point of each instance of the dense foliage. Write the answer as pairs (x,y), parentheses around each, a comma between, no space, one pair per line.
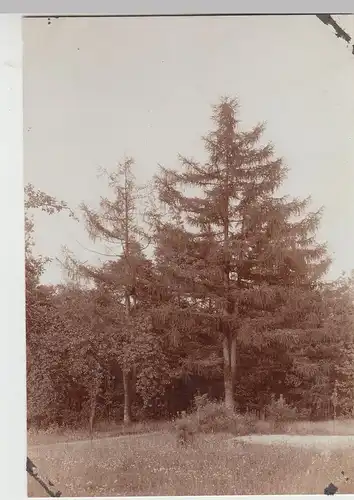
(213,285)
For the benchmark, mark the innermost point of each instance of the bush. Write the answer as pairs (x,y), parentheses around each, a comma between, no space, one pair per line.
(279,412)
(209,416)
(215,417)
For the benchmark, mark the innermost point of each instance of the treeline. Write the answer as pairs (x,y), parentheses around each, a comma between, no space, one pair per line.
(214,284)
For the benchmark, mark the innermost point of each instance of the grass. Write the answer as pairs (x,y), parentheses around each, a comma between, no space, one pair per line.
(341,427)
(55,435)
(213,464)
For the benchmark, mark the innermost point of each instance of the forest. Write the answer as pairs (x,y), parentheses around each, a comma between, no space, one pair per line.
(213,284)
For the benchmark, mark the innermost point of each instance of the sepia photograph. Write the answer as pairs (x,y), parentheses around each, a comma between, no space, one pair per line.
(189,255)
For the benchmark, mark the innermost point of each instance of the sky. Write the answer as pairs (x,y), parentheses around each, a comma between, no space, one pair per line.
(96,90)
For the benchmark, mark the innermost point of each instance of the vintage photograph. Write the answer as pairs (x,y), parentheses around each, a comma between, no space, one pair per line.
(189,255)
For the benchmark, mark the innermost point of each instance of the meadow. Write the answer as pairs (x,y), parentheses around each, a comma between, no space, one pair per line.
(150,462)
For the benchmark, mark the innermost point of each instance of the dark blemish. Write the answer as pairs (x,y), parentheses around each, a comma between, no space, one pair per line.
(331,489)
(50,19)
(345,477)
(340,33)
(46,483)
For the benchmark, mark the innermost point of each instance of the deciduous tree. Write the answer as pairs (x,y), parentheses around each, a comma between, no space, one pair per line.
(42,322)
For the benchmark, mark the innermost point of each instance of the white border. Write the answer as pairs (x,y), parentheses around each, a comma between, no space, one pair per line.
(12,350)
(12,314)
(180,7)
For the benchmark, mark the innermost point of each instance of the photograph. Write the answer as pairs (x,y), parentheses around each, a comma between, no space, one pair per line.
(189,265)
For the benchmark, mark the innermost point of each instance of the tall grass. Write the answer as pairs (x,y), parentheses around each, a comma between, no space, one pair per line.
(55,434)
(213,465)
(147,459)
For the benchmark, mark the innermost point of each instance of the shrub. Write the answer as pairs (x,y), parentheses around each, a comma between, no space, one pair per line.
(209,416)
(280,412)
(215,417)
(200,401)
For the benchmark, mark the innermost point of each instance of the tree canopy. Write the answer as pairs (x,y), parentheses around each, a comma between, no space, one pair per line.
(216,284)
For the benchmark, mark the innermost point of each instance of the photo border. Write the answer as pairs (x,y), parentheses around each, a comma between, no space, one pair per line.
(13,349)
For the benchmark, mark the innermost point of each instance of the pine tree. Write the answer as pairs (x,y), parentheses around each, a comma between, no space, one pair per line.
(232,252)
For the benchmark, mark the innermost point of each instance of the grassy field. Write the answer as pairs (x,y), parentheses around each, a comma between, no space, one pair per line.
(154,464)
(53,436)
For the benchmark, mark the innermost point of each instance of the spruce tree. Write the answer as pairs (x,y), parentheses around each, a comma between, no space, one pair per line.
(233,253)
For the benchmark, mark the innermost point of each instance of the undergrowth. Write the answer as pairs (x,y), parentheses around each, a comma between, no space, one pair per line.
(208,416)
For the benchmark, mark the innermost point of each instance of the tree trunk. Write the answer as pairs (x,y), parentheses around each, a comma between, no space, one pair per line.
(133,384)
(92,417)
(233,361)
(93,401)
(127,397)
(228,382)
(127,373)
(227,342)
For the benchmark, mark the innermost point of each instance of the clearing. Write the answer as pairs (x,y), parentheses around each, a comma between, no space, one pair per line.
(319,442)
(219,464)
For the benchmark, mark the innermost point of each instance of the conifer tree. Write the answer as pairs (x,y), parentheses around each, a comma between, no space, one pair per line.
(233,254)
(117,223)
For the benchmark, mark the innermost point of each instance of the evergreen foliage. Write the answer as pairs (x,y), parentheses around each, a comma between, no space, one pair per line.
(218,287)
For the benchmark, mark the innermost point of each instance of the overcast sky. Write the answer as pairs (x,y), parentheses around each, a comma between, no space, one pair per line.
(98,89)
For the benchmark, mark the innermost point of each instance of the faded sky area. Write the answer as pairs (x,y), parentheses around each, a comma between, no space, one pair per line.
(98,89)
